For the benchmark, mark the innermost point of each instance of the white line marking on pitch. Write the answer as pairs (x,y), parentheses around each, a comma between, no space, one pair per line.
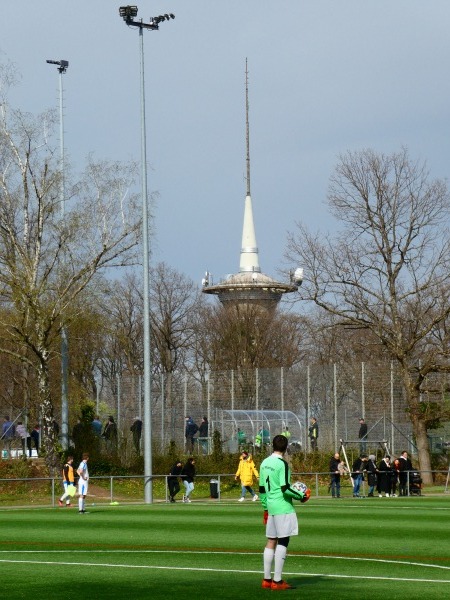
(210,570)
(184,552)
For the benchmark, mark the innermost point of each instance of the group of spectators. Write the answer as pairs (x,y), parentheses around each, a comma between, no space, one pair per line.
(184,472)
(10,431)
(191,429)
(385,476)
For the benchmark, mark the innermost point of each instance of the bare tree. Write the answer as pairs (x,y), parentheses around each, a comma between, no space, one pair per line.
(387,271)
(46,260)
(174,301)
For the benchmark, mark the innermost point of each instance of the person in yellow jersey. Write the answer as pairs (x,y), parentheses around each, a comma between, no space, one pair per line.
(68,481)
(245,472)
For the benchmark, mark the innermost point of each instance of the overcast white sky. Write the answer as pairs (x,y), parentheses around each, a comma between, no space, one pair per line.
(325,76)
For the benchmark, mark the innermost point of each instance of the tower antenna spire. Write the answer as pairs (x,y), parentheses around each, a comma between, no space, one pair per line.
(247,128)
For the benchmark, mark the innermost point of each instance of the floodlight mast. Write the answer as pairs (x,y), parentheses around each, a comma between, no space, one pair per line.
(62,68)
(128,13)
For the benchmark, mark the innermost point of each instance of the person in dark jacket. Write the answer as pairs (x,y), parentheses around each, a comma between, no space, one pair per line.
(362,435)
(335,483)
(136,430)
(371,469)
(35,436)
(173,481)
(385,477)
(188,476)
(313,433)
(358,469)
(190,431)
(203,435)
(405,465)
(110,434)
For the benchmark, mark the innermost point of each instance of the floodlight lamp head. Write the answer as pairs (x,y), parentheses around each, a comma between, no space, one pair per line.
(62,64)
(165,17)
(128,12)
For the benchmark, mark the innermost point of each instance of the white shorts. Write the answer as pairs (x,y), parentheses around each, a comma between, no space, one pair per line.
(82,487)
(281,526)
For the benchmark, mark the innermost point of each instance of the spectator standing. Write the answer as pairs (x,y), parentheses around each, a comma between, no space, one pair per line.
(78,434)
(241,437)
(314,433)
(22,432)
(36,437)
(97,426)
(286,433)
(8,433)
(335,483)
(405,465)
(203,435)
(173,481)
(189,432)
(245,472)
(371,468)
(362,435)
(358,468)
(394,476)
(384,477)
(110,434)
(188,476)
(136,430)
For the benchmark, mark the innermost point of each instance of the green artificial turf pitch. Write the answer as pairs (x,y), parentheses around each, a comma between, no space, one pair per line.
(350,548)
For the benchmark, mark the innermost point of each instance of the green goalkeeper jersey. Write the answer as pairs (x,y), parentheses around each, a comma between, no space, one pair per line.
(274,482)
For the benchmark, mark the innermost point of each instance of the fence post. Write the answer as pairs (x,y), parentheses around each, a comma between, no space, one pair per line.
(392,408)
(363,390)
(335,405)
(119,391)
(162,411)
(308,405)
(232,389)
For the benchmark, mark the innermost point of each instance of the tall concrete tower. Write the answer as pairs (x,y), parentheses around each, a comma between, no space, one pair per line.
(250,286)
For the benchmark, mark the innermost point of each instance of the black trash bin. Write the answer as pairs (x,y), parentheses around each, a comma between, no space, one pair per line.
(214,488)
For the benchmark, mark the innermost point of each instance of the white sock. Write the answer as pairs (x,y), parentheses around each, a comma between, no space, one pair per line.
(280,555)
(268,559)
(80,503)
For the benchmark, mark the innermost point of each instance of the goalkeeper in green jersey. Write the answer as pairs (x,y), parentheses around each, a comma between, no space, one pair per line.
(280,518)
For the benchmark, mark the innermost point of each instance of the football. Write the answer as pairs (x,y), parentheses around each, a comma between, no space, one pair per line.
(300,487)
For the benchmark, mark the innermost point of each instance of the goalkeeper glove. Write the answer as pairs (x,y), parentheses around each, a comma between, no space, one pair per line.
(266,516)
(306,497)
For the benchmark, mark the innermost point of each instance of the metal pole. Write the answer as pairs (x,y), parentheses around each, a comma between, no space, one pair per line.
(308,404)
(148,487)
(119,399)
(335,404)
(64,340)
(392,408)
(363,390)
(162,411)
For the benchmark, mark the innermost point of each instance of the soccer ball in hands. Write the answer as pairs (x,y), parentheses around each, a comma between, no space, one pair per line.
(299,487)
(302,488)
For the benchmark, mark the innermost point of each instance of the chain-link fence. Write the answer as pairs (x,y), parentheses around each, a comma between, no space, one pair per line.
(336,395)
